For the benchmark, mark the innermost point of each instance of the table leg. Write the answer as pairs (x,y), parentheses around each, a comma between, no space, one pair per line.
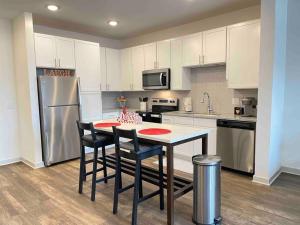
(170,185)
(204,144)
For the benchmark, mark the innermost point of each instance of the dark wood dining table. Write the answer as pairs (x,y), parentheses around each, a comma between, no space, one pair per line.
(176,186)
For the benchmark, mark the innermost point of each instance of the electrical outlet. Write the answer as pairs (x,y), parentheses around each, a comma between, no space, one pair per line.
(235,101)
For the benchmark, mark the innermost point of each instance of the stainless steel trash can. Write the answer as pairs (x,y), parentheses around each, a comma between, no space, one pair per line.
(207,190)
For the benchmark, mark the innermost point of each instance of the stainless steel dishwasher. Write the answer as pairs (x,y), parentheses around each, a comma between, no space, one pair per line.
(236,144)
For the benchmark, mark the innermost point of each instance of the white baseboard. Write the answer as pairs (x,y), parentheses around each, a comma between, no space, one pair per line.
(290,170)
(266,181)
(33,165)
(10,161)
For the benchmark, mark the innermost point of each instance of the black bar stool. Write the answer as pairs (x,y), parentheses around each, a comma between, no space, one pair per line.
(135,150)
(93,140)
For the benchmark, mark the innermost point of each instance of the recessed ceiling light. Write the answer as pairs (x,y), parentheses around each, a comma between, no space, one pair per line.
(52,7)
(113,23)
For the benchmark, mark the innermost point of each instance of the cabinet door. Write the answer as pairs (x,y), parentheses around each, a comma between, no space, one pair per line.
(214,46)
(180,76)
(103,84)
(91,106)
(45,51)
(164,54)
(126,69)
(243,47)
(65,53)
(113,69)
(150,56)
(137,67)
(192,50)
(87,56)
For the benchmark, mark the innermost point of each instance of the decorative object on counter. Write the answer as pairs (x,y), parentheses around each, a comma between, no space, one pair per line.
(238,111)
(155,131)
(187,104)
(143,103)
(122,101)
(129,117)
(108,124)
(56,72)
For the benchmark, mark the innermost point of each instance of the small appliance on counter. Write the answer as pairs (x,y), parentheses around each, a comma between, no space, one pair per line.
(187,104)
(249,107)
(143,103)
(158,106)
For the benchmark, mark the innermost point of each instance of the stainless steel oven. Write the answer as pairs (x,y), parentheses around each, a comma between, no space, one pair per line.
(156,79)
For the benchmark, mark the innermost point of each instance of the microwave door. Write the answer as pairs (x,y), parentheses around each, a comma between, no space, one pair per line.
(155,81)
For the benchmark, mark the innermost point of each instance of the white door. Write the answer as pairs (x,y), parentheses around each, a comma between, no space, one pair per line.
(88,65)
(113,69)
(214,46)
(91,106)
(164,54)
(150,56)
(45,51)
(180,76)
(243,47)
(126,69)
(65,53)
(103,76)
(137,67)
(192,50)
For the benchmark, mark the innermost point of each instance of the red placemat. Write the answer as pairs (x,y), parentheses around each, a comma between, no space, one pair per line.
(154,131)
(99,125)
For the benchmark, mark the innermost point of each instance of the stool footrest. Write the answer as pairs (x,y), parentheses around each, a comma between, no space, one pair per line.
(126,188)
(91,172)
(149,196)
(105,178)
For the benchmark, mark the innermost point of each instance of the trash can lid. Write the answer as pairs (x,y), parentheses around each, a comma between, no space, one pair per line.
(206,160)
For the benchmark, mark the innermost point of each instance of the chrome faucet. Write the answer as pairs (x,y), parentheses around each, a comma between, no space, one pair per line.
(209,105)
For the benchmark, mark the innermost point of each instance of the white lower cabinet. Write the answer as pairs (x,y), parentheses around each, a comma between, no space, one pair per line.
(91,106)
(188,150)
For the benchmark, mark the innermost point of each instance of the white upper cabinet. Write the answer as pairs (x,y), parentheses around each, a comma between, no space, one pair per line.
(54,52)
(192,51)
(163,54)
(126,69)
(113,69)
(103,84)
(214,46)
(180,76)
(87,56)
(137,54)
(150,56)
(243,52)
(65,53)
(45,51)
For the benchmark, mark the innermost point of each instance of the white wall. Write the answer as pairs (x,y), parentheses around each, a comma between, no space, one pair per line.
(104,42)
(27,95)
(197,26)
(9,148)
(271,90)
(291,119)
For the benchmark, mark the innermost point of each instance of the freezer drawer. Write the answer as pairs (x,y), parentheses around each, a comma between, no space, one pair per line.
(60,134)
(236,148)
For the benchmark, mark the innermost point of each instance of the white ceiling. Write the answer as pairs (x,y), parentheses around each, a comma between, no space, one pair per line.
(135,16)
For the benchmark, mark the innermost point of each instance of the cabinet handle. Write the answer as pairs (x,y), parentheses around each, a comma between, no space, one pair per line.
(100,87)
(59,62)
(157,65)
(203,59)
(55,62)
(108,87)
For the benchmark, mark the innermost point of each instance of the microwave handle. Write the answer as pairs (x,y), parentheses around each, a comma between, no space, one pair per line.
(161,78)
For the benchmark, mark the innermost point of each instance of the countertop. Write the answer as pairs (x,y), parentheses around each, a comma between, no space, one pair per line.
(112,110)
(206,116)
(177,133)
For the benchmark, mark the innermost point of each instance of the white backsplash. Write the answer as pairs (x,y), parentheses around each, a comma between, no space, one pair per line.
(209,79)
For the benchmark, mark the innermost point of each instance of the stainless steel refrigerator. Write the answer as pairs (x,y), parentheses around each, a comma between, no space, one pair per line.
(59,110)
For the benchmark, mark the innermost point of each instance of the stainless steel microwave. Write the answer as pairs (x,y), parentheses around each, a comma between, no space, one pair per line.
(158,79)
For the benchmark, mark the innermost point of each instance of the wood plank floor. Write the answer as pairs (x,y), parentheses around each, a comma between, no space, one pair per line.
(49,196)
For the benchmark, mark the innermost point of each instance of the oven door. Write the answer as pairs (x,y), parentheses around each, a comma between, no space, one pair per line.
(156,79)
(155,118)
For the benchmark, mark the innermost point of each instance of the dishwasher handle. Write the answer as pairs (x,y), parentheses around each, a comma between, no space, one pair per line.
(246,125)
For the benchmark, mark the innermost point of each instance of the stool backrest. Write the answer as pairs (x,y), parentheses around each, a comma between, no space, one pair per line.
(86,127)
(129,134)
